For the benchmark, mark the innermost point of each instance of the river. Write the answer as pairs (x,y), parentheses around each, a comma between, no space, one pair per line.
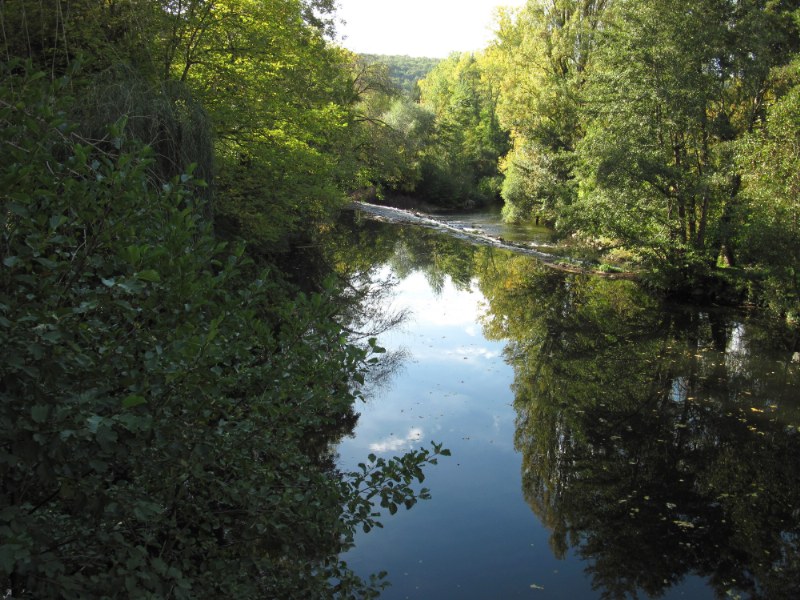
(604,443)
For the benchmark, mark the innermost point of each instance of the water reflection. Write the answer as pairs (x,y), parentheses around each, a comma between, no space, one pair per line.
(657,442)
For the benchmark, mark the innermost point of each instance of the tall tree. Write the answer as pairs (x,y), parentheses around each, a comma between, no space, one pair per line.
(277,95)
(674,83)
(543,52)
(167,406)
(462,164)
(767,221)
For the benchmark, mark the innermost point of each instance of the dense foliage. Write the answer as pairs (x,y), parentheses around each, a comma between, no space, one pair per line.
(169,398)
(440,144)
(640,125)
(461,162)
(404,71)
(767,221)
(642,129)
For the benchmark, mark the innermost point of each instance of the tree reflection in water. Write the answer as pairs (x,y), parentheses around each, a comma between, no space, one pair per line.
(658,442)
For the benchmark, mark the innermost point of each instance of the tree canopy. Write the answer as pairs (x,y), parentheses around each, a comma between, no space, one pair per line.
(633,126)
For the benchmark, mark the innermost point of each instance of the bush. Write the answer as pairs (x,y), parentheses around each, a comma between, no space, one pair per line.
(165,413)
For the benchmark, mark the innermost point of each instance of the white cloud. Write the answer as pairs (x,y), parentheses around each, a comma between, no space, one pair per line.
(451,308)
(395,444)
(474,352)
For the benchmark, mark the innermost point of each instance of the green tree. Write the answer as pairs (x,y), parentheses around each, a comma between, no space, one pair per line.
(251,91)
(769,217)
(461,165)
(167,408)
(277,95)
(388,133)
(673,83)
(543,54)
(405,71)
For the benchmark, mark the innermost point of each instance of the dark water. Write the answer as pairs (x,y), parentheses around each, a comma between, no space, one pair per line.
(604,445)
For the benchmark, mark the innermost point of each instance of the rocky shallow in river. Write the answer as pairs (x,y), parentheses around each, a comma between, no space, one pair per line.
(477,236)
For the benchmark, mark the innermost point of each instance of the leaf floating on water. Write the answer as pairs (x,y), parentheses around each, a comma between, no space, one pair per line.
(684,524)
(536,587)
(757,410)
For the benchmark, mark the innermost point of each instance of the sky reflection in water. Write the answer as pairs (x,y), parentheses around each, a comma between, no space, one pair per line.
(604,445)
(477,537)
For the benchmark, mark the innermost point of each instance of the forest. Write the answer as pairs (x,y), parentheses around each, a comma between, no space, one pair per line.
(661,136)
(404,71)
(177,353)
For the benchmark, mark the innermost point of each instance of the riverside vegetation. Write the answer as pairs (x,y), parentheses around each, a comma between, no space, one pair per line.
(661,135)
(171,389)
(176,358)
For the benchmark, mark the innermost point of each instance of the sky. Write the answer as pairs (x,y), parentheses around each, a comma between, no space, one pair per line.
(430,28)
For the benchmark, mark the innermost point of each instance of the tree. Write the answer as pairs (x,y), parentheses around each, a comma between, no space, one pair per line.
(167,407)
(543,53)
(769,218)
(278,98)
(673,84)
(461,164)
(169,404)
(405,71)
(388,133)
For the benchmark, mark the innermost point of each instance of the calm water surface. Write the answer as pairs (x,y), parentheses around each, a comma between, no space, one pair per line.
(490,222)
(603,444)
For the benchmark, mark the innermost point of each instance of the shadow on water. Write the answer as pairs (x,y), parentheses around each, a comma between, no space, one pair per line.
(658,442)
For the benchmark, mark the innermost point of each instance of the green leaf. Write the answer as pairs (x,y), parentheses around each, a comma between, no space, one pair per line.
(132,401)
(18,209)
(56,221)
(53,336)
(149,275)
(106,437)
(93,422)
(39,413)
(10,554)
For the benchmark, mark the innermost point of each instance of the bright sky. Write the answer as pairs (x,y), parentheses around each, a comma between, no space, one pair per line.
(431,28)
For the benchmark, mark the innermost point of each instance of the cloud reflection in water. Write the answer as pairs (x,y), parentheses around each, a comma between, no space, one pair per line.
(395,444)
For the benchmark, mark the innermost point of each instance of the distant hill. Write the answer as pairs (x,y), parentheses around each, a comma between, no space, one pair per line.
(404,71)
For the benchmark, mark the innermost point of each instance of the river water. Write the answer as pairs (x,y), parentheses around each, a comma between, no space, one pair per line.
(604,444)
